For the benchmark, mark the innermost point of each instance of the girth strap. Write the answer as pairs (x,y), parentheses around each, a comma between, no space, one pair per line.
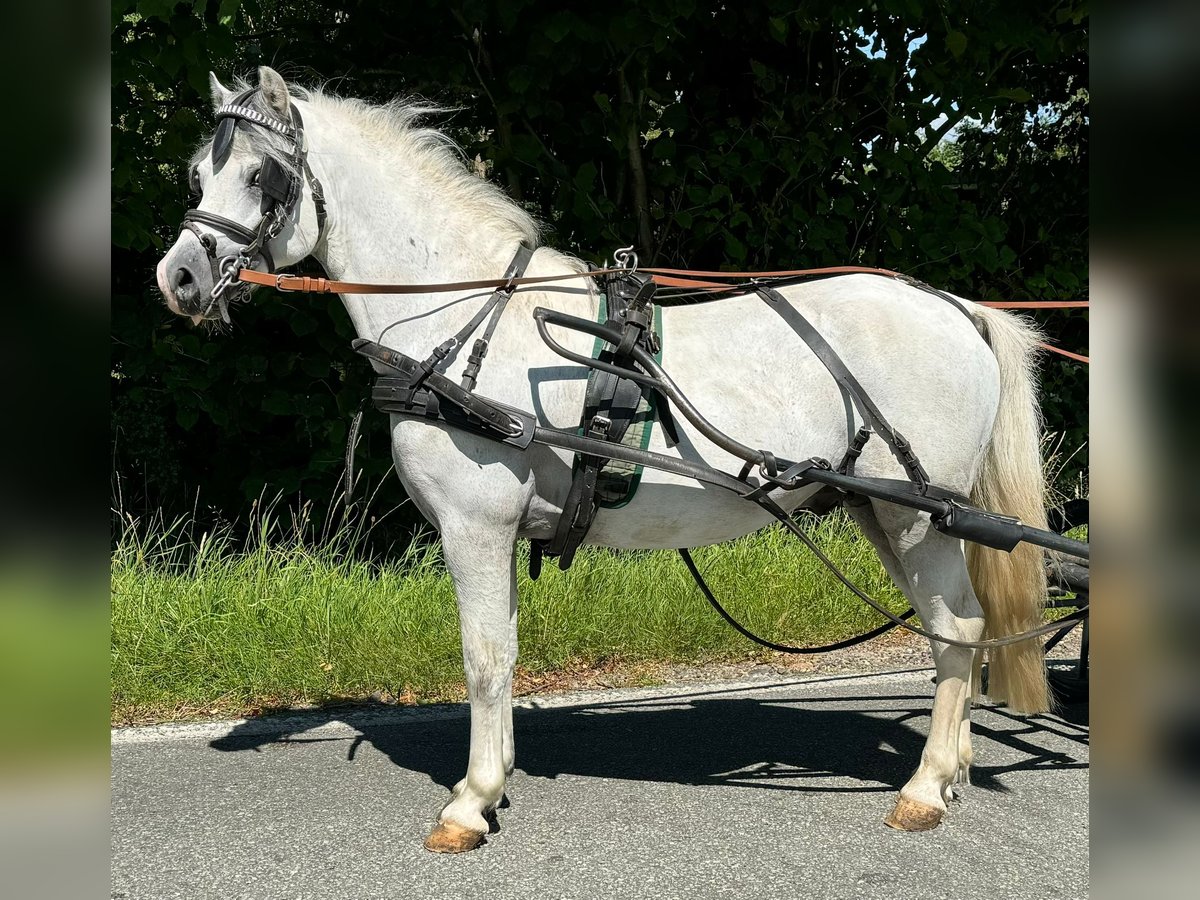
(610,405)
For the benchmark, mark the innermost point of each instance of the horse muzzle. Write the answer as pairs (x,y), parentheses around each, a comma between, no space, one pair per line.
(185,277)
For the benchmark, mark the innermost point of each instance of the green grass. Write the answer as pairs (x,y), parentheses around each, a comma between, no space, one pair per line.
(212,627)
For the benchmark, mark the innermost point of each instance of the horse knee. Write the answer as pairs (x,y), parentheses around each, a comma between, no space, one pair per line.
(488,666)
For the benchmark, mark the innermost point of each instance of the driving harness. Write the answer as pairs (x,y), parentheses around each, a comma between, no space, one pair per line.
(625,378)
(417,389)
(281,188)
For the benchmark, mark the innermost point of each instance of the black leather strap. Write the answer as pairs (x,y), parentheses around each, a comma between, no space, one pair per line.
(495,305)
(301,162)
(229,226)
(610,405)
(480,414)
(899,445)
(579,509)
(942,295)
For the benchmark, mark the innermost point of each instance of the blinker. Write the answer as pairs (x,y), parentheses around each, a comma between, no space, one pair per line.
(222,142)
(275,182)
(223,136)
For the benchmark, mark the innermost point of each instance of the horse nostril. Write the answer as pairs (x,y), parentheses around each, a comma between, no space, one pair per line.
(183,277)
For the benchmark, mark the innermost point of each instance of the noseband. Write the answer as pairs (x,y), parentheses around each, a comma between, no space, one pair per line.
(281,190)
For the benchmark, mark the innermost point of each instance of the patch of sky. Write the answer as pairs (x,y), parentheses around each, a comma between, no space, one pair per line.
(873,46)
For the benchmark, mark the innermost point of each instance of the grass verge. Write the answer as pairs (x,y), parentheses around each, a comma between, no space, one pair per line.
(212,627)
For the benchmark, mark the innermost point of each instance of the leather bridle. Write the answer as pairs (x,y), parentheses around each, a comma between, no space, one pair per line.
(281,190)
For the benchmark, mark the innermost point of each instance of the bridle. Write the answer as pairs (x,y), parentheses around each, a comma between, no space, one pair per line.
(281,190)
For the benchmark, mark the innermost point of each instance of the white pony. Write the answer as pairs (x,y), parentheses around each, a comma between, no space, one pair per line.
(402,207)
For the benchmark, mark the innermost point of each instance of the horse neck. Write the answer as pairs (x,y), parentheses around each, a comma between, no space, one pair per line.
(393,222)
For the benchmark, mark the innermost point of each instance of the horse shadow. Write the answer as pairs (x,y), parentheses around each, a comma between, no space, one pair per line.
(783,742)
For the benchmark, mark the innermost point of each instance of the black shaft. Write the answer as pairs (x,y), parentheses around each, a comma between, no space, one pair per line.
(881,490)
(660,381)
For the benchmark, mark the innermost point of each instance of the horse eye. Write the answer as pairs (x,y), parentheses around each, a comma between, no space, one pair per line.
(194,181)
(254,177)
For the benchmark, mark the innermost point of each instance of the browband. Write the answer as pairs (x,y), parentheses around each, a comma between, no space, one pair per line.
(227,116)
(238,111)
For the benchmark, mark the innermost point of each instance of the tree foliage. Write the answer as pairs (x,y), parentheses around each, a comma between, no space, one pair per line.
(768,134)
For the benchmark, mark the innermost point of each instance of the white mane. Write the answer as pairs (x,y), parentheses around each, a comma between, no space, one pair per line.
(394,129)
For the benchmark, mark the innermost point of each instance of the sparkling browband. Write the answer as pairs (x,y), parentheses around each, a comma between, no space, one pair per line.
(253,115)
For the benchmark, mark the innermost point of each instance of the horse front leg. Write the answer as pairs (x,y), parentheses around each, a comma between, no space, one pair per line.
(509,746)
(483,566)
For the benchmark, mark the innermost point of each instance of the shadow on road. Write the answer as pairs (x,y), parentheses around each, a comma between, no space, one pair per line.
(786,742)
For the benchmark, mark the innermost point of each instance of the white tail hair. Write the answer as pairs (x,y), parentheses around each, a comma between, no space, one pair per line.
(1012,586)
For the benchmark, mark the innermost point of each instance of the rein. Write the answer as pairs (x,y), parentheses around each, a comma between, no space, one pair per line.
(681,278)
(315,284)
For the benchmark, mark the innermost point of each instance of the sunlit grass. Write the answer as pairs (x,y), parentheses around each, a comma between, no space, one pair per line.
(207,625)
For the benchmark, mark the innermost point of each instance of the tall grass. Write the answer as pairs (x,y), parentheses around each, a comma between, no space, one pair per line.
(216,624)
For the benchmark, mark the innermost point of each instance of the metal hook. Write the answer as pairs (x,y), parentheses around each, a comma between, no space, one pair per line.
(626,257)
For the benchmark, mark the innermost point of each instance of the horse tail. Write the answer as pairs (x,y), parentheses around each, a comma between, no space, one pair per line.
(1011,587)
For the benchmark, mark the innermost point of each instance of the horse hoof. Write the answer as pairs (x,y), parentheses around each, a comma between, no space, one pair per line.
(450,837)
(909,815)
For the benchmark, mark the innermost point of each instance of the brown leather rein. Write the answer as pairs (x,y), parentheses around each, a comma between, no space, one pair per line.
(314,284)
(684,278)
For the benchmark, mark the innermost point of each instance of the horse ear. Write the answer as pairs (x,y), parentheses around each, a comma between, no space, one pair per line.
(274,91)
(220,94)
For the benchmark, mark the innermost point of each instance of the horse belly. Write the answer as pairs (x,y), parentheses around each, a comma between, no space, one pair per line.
(686,514)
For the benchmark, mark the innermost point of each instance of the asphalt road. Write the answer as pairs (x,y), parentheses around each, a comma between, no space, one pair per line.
(756,789)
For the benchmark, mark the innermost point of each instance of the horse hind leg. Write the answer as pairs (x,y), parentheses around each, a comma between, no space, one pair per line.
(483,566)
(930,569)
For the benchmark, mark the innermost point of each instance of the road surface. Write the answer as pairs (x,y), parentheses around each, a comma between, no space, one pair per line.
(770,788)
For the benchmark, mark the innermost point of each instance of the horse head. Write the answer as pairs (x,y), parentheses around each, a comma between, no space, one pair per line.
(258,204)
